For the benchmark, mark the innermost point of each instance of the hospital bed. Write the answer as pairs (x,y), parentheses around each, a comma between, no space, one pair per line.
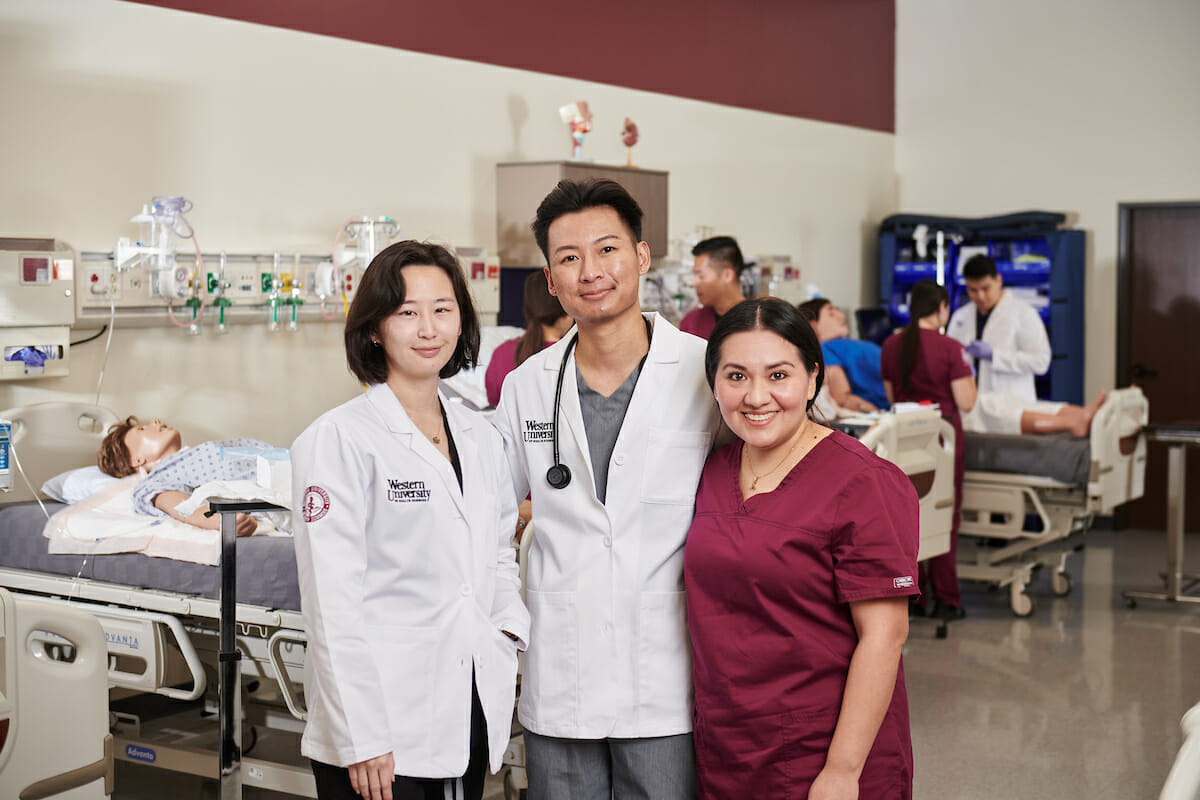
(161,619)
(1027,498)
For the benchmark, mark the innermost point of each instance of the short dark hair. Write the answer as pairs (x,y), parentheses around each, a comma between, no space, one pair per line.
(113,458)
(569,197)
(724,249)
(380,293)
(979,266)
(811,309)
(771,314)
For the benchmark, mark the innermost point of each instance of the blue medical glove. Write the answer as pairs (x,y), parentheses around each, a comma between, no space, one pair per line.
(980,349)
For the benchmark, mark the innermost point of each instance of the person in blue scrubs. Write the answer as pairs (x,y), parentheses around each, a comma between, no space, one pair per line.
(851,365)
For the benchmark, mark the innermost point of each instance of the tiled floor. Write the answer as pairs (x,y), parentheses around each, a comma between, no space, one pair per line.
(1080,700)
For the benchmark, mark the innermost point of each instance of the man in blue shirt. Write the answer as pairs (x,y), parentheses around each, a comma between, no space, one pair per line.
(851,365)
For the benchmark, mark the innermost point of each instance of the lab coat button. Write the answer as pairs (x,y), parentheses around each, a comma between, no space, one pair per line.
(619,459)
(466,590)
(608,541)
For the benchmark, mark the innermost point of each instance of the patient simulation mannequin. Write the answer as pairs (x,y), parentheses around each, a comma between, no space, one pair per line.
(170,471)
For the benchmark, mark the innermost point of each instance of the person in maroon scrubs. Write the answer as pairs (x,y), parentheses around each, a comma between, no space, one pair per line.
(798,568)
(920,364)
(545,323)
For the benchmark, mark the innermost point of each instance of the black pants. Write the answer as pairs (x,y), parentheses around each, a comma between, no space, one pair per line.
(333,783)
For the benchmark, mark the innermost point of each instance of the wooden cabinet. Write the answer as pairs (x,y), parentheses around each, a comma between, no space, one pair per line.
(521,187)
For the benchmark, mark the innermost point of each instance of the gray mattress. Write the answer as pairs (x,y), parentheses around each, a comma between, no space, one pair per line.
(266,564)
(1060,456)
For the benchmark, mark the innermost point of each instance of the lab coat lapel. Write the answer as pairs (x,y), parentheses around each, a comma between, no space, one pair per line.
(572,413)
(645,403)
(399,423)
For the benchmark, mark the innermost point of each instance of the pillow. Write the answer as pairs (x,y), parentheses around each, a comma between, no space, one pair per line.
(77,484)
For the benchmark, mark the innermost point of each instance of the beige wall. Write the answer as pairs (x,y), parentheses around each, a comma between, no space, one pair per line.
(277,137)
(1050,104)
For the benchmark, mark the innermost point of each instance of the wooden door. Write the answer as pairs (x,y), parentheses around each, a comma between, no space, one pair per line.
(1159,336)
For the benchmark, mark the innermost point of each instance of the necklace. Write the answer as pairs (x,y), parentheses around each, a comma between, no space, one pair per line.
(786,456)
(437,439)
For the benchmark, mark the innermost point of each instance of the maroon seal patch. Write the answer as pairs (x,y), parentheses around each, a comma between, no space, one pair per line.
(316,503)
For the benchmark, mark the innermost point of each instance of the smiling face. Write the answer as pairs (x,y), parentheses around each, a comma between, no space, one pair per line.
(420,337)
(594,265)
(762,388)
(150,443)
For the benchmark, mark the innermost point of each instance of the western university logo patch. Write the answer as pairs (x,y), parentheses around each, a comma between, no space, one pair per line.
(538,431)
(399,491)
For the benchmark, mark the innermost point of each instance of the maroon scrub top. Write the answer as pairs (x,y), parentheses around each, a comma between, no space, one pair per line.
(768,582)
(940,360)
(699,322)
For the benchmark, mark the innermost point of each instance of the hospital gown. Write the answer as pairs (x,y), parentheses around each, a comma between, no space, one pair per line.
(192,467)
(769,580)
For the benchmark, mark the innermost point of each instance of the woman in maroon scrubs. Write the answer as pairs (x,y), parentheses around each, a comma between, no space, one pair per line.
(920,364)
(798,569)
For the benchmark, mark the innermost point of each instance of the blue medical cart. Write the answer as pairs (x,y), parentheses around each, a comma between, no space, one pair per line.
(1041,261)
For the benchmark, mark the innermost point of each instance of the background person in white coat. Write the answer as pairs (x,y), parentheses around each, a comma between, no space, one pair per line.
(606,692)
(408,583)
(1007,342)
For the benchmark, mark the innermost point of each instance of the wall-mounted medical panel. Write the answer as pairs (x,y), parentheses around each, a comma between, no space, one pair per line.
(37,283)
(220,288)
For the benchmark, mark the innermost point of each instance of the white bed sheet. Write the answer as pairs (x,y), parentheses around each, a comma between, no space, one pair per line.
(107,523)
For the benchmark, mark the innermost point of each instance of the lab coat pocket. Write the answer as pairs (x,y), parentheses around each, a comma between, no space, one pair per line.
(407,662)
(664,661)
(550,683)
(673,463)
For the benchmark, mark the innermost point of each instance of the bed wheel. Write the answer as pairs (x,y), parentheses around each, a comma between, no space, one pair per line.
(1130,602)
(942,630)
(1060,582)
(1021,602)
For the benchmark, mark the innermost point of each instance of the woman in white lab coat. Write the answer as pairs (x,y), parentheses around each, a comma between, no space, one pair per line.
(408,582)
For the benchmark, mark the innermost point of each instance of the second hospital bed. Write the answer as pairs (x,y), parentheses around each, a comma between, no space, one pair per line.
(1027,498)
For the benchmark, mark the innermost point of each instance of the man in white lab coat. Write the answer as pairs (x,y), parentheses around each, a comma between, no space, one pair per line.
(1007,342)
(609,429)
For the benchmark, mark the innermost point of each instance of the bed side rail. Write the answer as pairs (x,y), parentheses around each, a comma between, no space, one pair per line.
(1118,446)
(140,650)
(921,443)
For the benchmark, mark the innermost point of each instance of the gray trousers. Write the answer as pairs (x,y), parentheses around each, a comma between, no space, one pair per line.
(655,768)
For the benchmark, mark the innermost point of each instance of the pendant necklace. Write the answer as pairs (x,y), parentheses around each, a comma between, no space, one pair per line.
(787,455)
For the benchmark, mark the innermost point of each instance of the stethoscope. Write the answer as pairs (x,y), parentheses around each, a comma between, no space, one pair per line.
(559,475)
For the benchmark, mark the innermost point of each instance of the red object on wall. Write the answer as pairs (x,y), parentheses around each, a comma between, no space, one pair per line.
(828,60)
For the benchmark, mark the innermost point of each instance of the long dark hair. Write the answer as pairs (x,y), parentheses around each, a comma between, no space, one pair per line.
(925,298)
(540,308)
(380,293)
(770,314)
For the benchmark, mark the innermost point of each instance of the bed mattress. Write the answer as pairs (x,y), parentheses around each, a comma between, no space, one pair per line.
(1060,456)
(266,564)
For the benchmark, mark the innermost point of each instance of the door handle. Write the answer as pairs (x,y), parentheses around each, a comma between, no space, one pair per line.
(1139,371)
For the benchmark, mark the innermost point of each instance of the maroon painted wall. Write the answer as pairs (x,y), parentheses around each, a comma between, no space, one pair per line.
(829,60)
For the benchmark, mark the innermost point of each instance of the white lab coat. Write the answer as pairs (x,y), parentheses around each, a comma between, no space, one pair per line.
(609,652)
(405,587)
(1020,350)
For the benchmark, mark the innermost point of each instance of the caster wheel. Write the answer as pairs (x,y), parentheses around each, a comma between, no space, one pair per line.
(1021,602)
(1130,602)
(1060,582)
(942,631)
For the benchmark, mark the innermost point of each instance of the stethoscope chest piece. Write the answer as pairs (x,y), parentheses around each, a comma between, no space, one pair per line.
(558,476)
